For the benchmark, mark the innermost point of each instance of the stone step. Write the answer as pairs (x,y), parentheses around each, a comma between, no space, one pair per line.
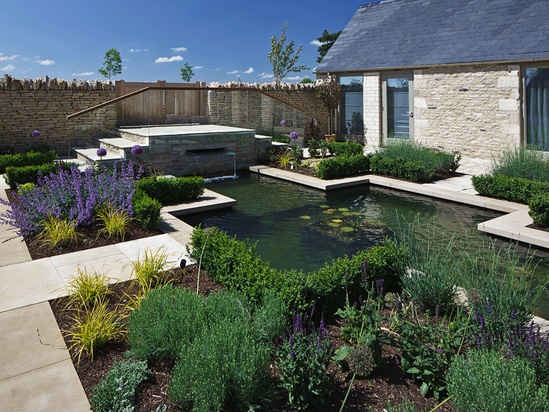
(121,146)
(89,156)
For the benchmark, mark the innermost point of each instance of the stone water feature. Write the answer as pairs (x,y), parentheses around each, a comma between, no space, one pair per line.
(182,150)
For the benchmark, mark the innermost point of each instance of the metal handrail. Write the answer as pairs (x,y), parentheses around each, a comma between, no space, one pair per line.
(136,92)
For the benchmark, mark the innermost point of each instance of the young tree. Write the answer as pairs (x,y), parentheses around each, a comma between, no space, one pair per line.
(283,58)
(187,72)
(112,65)
(327,39)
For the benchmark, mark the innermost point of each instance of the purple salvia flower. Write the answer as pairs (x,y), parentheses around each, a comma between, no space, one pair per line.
(489,306)
(379,286)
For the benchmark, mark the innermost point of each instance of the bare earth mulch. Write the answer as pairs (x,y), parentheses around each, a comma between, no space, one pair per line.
(387,384)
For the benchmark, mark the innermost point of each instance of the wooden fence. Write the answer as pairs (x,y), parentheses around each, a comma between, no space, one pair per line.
(160,106)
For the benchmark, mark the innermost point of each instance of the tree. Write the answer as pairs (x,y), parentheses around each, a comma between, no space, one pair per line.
(187,72)
(112,65)
(283,58)
(327,39)
(306,80)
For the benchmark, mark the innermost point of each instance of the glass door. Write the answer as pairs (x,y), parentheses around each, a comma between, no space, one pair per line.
(397,103)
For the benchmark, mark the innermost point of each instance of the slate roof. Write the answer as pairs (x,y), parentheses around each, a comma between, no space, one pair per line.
(417,33)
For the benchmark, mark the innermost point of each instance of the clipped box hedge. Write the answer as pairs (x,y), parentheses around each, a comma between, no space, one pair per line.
(400,168)
(26,159)
(19,175)
(339,167)
(514,189)
(345,149)
(172,190)
(236,266)
(146,210)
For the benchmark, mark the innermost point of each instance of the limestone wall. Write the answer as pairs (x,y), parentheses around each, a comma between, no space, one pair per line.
(471,109)
(43,104)
(251,109)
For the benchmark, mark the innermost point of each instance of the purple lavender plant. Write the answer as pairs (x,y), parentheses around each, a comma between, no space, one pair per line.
(71,195)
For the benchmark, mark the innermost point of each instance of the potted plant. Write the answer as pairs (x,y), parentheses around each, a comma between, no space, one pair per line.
(330,93)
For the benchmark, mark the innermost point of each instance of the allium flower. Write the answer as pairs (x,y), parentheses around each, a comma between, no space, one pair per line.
(137,150)
(101,152)
(283,122)
(294,135)
(36,133)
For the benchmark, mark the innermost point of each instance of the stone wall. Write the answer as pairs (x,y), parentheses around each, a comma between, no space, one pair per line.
(43,104)
(471,109)
(254,110)
(372,114)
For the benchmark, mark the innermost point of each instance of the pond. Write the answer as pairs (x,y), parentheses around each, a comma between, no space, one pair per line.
(296,227)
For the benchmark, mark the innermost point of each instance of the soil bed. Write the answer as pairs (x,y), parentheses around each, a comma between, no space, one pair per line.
(386,384)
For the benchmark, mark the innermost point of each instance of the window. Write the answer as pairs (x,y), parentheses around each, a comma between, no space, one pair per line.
(537,108)
(351,121)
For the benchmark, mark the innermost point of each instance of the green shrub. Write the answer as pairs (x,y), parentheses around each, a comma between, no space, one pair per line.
(414,171)
(345,149)
(521,162)
(485,381)
(539,209)
(433,160)
(224,369)
(339,167)
(172,190)
(32,158)
(232,263)
(116,391)
(165,321)
(146,210)
(514,189)
(27,174)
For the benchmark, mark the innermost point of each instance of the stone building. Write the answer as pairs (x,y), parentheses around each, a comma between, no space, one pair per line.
(462,75)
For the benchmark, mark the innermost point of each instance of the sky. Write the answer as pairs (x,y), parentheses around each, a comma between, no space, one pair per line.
(222,40)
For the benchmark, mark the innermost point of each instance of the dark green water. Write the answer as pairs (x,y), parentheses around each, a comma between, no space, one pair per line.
(296,227)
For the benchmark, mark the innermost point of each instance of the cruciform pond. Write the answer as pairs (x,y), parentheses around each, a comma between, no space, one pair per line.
(296,227)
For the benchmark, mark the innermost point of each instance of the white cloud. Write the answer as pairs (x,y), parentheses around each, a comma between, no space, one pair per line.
(4,58)
(198,67)
(45,62)
(217,69)
(179,49)
(250,70)
(8,68)
(316,43)
(83,74)
(139,50)
(293,78)
(169,59)
(234,72)
(266,75)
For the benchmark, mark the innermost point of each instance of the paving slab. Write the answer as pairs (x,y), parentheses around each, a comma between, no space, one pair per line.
(53,388)
(28,283)
(30,340)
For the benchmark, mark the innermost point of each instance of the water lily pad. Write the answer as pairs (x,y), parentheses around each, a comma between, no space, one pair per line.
(330,211)
(343,209)
(305,217)
(332,224)
(351,213)
(325,206)
(346,229)
(337,220)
